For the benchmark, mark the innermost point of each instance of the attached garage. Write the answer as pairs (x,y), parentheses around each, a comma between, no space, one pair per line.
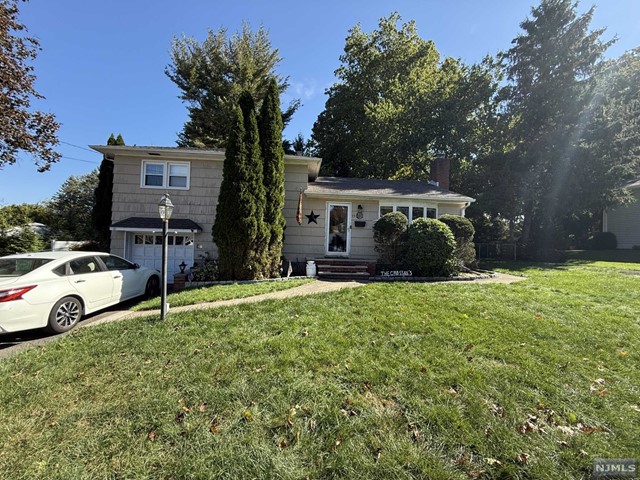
(143,242)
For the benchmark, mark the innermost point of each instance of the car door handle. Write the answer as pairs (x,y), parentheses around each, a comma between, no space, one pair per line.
(79,281)
(118,276)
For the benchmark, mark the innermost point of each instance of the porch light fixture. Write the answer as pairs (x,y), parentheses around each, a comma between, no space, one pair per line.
(182,266)
(165,208)
(359,215)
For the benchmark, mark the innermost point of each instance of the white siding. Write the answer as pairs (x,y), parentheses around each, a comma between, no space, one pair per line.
(624,222)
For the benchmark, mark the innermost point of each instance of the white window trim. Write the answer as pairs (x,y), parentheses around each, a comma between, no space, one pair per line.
(395,206)
(165,174)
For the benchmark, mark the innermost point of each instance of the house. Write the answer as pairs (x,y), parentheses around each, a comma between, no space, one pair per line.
(337,213)
(624,221)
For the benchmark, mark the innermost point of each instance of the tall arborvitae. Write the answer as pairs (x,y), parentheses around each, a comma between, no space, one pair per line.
(101,213)
(254,185)
(239,229)
(270,128)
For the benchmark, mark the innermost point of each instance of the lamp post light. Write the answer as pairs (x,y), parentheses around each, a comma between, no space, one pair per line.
(165,208)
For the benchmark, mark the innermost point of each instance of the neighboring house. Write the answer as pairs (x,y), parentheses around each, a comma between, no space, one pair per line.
(624,221)
(337,213)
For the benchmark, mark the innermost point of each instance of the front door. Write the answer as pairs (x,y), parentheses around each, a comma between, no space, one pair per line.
(338,228)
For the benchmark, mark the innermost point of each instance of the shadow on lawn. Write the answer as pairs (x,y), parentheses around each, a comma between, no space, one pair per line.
(573,258)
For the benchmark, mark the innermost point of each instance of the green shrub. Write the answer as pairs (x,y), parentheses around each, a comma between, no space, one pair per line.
(603,241)
(463,232)
(431,248)
(390,234)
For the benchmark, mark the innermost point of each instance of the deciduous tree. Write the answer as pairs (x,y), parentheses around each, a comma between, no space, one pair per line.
(21,128)
(396,104)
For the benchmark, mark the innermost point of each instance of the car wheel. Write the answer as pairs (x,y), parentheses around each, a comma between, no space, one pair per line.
(65,315)
(153,287)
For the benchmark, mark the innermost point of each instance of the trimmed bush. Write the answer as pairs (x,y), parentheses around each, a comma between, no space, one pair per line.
(603,241)
(390,234)
(431,248)
(463,232)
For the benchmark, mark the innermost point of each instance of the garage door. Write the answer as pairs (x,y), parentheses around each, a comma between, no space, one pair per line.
(147,251)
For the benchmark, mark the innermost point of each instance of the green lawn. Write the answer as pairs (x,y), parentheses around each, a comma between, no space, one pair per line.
(531,380)
(216,293)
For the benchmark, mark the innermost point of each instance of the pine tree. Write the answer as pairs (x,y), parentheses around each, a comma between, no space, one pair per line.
(270,129)
(239,230)
(551,69)
(101,213)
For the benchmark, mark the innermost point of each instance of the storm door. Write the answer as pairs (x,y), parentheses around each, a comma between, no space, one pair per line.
(338,229)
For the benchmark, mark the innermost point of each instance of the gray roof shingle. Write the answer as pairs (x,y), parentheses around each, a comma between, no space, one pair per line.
(366,187)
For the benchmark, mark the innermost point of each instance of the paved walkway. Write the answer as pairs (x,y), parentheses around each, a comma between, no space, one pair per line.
(33,338)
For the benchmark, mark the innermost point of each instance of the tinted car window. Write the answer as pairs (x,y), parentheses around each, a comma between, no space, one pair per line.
(83,265)
(116,263)
(16,267)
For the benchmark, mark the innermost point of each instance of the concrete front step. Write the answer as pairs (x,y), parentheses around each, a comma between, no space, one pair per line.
(332,274)
(346,268)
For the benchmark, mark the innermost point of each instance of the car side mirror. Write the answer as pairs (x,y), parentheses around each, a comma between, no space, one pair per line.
(136,266)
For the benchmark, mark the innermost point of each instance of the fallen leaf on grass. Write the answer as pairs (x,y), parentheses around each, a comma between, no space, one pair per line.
(152,436)
(583,453)
(622,353)
(468,347)
(497,410)
(452,391)
(283,443)
(563,444)
(635,407)
(247,416)
(530,425)
(180,417)
(423,369)
(493,462)
(566,430)
(378,455)
(202,407)
(214,424)
(523,458)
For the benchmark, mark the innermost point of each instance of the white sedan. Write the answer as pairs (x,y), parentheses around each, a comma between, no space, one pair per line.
(55,289)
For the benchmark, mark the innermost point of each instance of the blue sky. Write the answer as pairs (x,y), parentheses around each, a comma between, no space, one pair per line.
(102,64)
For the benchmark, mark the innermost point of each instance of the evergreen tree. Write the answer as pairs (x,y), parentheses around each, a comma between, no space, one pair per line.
(239,229)
(101,213)
(270,129)
(551,69)
(211,76)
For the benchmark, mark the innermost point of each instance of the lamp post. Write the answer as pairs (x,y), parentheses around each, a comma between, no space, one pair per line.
(165,208)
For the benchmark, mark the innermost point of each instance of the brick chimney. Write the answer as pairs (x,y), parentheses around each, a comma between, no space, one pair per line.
(439,171)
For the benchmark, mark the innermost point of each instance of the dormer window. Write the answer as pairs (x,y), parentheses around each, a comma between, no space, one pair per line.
(172,175)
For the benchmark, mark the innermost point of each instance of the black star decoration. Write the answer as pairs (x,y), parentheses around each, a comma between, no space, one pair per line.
(312,218)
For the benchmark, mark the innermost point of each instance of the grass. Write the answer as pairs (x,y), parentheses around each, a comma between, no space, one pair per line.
(216,293)
(531,380)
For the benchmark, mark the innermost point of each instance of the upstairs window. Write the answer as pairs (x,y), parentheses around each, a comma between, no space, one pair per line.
(174,175)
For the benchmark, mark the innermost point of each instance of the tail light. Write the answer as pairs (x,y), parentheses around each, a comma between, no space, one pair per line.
(14,293)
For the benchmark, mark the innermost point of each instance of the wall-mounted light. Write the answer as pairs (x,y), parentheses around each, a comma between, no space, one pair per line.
(359,214)
(182,266)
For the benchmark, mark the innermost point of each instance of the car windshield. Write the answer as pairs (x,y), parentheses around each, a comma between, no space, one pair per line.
(16,267)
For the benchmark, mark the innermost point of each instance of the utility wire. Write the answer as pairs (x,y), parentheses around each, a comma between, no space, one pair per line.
(78,146)
(80,160)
